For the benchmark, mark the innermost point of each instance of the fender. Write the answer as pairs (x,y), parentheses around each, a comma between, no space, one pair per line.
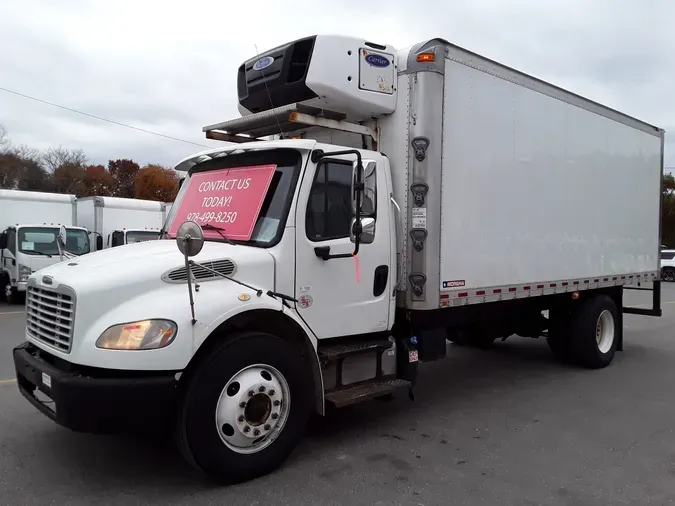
(267,303)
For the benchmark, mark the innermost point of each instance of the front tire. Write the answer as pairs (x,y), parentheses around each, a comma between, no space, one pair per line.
(245,408)
(11,295)
(668,274)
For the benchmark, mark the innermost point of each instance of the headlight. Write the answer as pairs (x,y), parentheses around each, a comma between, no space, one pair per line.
(142,335)
(24,272)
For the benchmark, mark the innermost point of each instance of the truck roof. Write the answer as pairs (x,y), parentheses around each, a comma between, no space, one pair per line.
(46,225)
(189,161)
(125,203)
(472,59)
(36,196)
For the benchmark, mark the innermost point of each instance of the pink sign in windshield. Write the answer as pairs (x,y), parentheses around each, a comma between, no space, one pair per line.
(229,199)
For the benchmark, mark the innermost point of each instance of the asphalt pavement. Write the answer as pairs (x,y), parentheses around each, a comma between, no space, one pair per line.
(507,426)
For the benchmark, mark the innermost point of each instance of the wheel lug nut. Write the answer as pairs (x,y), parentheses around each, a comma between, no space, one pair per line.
(241,418)
(275,416)
(261,389)
(242,404)
(247,429)
(272,392)
(256,432)
(277,403)
(251,393)
(268,427)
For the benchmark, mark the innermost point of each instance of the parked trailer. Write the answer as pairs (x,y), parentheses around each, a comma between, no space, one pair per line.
(417,197)
(116,221)
(29,227)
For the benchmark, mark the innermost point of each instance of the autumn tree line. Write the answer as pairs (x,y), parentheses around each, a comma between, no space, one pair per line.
(61,170)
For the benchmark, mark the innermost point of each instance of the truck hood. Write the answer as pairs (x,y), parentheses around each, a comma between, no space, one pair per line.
(141,267)
(37,262)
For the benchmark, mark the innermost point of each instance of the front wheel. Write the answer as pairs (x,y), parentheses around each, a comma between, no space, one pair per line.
(246,408)
(11,295)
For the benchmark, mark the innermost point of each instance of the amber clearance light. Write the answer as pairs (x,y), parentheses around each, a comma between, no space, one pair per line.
(426,57)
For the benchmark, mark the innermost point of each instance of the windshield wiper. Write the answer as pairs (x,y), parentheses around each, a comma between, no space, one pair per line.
(209,226)
(30,251)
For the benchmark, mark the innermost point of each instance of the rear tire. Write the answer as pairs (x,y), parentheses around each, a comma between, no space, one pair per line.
(595,333)
(668,274)
(559,338)
(231,435)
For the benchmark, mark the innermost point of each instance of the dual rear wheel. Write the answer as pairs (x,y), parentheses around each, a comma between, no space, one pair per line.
(587,334)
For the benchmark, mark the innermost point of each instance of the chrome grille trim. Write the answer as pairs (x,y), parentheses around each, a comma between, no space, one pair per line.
(224,266)
(50,316)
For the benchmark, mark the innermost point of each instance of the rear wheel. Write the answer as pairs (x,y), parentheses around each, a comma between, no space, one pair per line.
(560,335)
(668,274)
(245,409)
(595,332)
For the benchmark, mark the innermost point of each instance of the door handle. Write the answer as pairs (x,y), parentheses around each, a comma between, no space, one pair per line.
(380,280)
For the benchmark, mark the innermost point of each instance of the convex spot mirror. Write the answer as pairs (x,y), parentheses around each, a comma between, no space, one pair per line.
(190,238)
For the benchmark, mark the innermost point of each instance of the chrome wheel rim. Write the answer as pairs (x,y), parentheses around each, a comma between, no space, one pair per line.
(253,409)
(604,331)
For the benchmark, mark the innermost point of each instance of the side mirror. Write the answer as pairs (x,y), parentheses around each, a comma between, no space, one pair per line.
(367,230)
(63,235)
(3,240)
(99,243)
(369,193)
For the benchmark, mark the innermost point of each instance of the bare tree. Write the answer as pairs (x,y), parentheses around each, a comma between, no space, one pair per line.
(4,140)
(53,158)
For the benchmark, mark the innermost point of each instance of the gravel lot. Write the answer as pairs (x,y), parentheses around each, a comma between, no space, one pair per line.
(507,426)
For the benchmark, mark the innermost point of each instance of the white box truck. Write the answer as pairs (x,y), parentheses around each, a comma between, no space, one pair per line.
(29,227)
(418,196)
(115,221)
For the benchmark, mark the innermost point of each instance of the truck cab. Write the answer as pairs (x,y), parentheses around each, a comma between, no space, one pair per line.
(25,249)
(131,236)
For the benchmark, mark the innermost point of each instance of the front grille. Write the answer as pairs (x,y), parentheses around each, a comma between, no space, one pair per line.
(50,316)
(225,267)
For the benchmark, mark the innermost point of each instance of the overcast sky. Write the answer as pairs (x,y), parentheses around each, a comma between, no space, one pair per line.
(171,66)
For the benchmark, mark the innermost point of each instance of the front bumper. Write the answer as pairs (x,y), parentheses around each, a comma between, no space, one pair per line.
(21,286)
(94,400)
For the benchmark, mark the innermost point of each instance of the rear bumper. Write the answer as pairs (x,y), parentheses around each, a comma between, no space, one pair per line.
(94,400)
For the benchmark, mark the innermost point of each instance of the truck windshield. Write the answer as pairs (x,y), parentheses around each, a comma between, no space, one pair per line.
(134,236)
(42,241)
(245,196)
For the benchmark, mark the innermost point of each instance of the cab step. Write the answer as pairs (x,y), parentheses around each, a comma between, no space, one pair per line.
(336,351)
(364,391)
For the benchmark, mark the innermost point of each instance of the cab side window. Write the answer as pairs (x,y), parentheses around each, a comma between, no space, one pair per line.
(329,210)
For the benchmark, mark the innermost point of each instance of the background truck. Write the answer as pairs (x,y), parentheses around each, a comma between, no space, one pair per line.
(116,221)
(412,197)
(29,226)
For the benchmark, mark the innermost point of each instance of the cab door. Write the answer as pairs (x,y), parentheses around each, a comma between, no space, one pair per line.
(352,295)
